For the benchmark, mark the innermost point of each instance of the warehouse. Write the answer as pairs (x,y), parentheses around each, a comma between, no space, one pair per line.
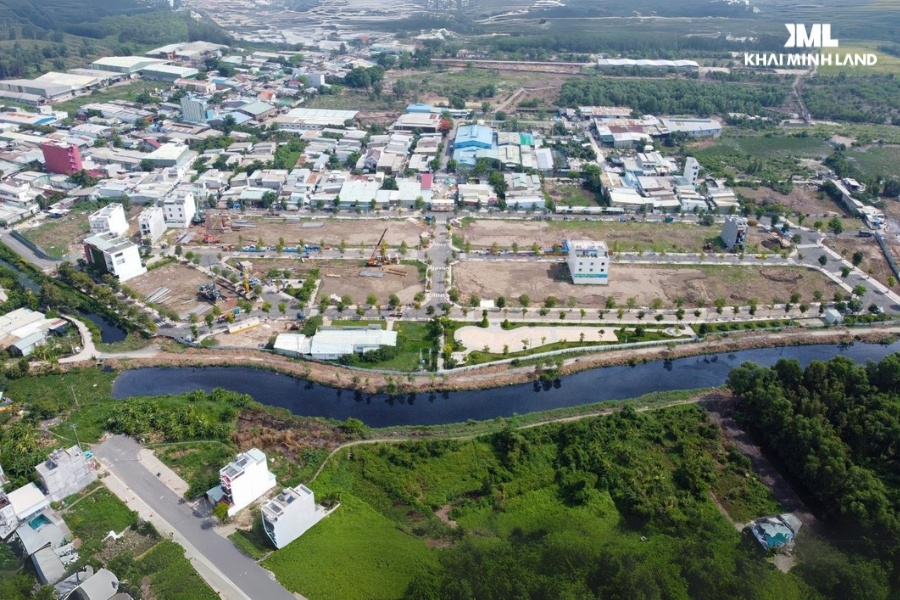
(331,344)
(170,73)
(23,329)
(53,86)
(300,119)
(128,65)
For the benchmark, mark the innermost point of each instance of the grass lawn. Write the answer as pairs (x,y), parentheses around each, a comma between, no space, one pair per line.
(94,516)
(360,323)
(254,542)
(128,91)
(355,553)
(193,462)
(411,340)
(171,574)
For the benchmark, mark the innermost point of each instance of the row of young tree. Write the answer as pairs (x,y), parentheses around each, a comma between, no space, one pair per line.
(835,426)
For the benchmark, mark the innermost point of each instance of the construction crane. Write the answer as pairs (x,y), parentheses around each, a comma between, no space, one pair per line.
(375,259)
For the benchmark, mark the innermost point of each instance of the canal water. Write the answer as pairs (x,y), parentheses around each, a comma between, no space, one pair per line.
(380,410)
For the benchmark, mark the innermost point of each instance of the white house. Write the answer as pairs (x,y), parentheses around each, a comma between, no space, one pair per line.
(152,222)
(66,472)
(244,480)
(110,218)
(179,209)
(117,255)
(291,514)
(588,262)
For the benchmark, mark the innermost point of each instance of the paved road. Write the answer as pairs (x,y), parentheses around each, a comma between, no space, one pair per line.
(249,580)
(26,253)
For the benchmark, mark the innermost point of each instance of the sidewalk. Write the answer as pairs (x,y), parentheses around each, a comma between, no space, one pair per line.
(169,477)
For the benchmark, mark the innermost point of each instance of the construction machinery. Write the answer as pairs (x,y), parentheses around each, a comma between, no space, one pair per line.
(210,292)
(379,252)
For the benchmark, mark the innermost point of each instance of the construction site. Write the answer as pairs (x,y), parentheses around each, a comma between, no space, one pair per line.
(236,232)
(696,284)
(176,287)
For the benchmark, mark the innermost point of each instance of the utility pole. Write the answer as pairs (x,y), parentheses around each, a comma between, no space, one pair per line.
(75,431)
(72,388)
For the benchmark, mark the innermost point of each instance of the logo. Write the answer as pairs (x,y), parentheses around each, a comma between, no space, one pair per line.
(818,36)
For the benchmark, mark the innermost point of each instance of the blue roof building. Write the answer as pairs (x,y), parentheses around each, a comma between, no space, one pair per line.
(419,108)
(474,136)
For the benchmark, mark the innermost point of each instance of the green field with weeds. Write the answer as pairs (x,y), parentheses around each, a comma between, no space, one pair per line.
(594,507)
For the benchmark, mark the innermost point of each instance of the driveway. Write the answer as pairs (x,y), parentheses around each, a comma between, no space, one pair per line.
(221,564)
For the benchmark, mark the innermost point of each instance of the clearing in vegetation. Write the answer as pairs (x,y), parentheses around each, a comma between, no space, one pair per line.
(355,233)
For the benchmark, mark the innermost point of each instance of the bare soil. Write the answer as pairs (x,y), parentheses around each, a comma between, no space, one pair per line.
(353,232)
(737,285)
(131,542)
(183,283)
(620,236)
(873,256)
(802,199)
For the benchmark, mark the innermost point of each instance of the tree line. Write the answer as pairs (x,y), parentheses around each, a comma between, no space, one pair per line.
(835,426)
(672,96)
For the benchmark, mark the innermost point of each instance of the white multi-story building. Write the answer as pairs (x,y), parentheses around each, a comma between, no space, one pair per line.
(588,262)
(691,170)
(110,218)
(117,255)
(152,222)
(245,479)
(179,209)
(291,514)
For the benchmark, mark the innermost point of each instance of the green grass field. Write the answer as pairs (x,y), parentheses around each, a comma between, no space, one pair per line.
(411,340)
(886,62)
(95,516)
(523,519)
(763,157)
(127,91)
(877,161)
(354,554)
(171,574)
(192,461)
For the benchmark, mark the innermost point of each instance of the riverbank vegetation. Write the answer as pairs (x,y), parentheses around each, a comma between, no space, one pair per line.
(835,427)
(597,508)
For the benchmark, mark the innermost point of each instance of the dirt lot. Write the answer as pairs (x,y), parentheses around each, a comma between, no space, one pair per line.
(349,281)
(63,236)
(873,256)
(801,199)
(643,282)
(182,282)
(354,233)
(620,236)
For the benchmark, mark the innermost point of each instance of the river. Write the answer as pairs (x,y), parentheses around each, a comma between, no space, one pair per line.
(379,410)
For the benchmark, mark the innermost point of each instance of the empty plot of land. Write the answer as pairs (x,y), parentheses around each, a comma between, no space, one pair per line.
(621,236)
(172,286)
(494,338)
(696,284)
(801,199)
(342,278)
(873,257)
(569,193)
(63,236)
(331,232)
